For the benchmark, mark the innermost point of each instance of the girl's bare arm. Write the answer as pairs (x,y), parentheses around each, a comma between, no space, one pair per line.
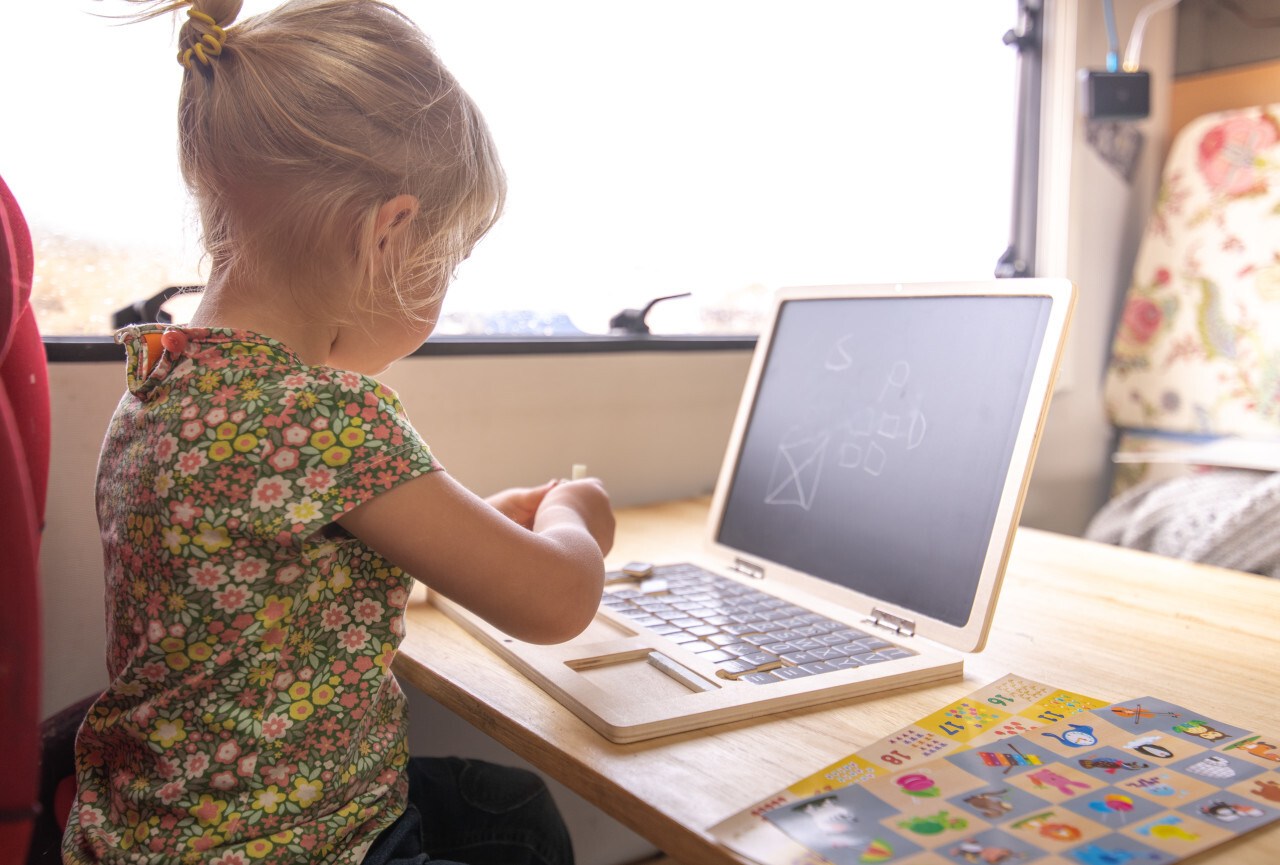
(540,584)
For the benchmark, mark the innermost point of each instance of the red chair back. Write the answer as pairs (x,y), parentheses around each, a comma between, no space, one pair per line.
(24,471)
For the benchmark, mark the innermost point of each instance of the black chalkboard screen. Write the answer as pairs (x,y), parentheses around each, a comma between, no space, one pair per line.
(880,439)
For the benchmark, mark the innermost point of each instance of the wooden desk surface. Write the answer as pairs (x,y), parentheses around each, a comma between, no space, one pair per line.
(1094,619)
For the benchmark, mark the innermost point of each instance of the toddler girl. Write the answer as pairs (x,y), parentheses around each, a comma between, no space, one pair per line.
(264,504)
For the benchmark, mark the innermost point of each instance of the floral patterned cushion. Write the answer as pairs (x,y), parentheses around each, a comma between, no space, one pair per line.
(1197,349)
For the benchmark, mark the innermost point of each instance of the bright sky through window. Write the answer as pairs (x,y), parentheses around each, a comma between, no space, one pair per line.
(716,147)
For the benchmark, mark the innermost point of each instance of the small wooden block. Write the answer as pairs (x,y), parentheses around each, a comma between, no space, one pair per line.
(689,679)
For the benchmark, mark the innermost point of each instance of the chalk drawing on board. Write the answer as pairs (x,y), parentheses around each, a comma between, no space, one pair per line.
(911,427)
(852,452)
(897,378)
(867,434)
(797,469)
(839,359)
(876,458)
(860,448)
(889,424)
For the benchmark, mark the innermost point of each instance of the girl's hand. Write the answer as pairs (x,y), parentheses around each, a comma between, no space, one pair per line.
(587,500)
(520,504)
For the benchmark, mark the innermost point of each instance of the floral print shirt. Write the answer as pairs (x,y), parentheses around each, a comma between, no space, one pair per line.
(251,715)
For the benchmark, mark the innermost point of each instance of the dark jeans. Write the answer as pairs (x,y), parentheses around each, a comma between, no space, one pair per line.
(469,812)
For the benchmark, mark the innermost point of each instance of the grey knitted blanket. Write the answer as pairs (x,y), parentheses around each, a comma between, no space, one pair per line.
(1227,517)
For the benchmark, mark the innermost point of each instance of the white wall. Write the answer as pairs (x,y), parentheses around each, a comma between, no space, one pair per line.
(653,425)
(1097,241)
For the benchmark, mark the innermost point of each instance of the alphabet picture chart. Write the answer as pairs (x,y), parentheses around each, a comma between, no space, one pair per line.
(1007,707)
(1143,781)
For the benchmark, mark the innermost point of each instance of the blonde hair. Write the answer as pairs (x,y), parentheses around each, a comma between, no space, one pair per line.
(304,121)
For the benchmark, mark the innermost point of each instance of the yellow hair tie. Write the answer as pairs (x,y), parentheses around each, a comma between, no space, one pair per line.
(208,45)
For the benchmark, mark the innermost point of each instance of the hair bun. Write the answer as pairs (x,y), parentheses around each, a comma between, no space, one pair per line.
(223,12)
(204,32)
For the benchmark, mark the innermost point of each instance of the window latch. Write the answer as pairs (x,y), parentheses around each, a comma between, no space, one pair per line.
(633,320)
(151,309)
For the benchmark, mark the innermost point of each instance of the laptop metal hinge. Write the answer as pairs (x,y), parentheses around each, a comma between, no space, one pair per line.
(747,569)
(890,622)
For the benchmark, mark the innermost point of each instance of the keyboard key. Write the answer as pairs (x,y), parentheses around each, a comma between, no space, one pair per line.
(762,659)
(896,652)
(825,653)
(760,678)
(843,663)
(805,644)
(816,619)
(734,668)
(791,672)
(818,667)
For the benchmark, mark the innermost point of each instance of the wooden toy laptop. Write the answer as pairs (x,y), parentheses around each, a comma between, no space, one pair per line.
(861,523)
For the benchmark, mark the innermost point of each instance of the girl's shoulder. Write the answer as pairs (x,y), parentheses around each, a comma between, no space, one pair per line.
(147,346)
(200,355)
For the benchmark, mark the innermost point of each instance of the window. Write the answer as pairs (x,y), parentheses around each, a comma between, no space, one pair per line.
(714,147)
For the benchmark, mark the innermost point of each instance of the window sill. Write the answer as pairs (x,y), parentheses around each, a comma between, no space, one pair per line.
(97,349)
